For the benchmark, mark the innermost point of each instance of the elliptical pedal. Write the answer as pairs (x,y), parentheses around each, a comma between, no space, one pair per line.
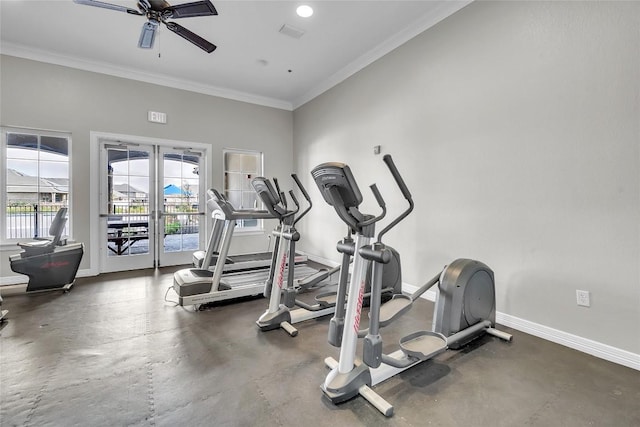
(423,345)
(394,308)
(326,299)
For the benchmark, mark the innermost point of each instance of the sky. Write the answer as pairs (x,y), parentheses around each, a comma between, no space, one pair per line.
(134,172)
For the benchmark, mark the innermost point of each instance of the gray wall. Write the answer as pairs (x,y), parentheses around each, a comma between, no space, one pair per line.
(516,126)
(39,95)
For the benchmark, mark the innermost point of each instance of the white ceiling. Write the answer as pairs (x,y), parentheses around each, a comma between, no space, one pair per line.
(253,58)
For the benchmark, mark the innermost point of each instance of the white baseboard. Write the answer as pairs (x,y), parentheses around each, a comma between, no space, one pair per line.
(585,345)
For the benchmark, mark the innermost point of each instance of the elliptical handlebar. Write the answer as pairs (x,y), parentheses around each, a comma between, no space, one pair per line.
(301,187)
(306,196)
(295,202)
(381,203)
(396,175)
(378,196)
(283,199)
(405,192)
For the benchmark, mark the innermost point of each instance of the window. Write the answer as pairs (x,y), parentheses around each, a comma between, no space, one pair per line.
(240,167)
(36,182)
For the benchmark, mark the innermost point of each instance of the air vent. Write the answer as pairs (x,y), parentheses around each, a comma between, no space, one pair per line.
(290,31)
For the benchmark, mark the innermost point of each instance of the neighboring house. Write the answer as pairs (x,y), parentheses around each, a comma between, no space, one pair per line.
(23,188)
(126,192)
(174,195)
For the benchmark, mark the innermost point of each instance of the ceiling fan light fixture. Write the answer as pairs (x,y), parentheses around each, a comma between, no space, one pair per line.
(148,34)
(304,11)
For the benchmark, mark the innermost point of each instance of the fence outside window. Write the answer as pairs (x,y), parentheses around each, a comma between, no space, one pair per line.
(27,221)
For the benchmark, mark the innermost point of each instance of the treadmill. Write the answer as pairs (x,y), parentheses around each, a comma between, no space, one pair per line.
(196,286)
(222,212)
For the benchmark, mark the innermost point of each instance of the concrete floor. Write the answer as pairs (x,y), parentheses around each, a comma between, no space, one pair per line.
(112,352)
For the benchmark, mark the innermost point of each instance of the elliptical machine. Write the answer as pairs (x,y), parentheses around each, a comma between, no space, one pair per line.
(464,309)
(284,308)
(284,315)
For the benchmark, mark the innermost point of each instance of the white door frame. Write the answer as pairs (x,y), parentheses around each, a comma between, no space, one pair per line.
(95,139)
(183,257)
(108,261)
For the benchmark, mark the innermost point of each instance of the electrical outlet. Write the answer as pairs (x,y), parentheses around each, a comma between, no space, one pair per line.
(583,298)
(376,149)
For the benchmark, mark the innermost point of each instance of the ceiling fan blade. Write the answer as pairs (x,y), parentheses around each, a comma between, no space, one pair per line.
(190,36)
(109,6)
(148,34)
(188,10)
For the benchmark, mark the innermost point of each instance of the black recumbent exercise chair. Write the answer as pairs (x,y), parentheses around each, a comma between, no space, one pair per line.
(50,263)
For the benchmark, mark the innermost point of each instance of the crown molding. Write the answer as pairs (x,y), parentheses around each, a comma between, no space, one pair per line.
(436,15)
(24,52)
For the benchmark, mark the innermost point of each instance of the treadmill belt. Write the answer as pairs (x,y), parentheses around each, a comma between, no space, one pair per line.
(260,276)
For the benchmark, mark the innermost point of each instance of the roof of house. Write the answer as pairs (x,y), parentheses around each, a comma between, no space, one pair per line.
(17,182)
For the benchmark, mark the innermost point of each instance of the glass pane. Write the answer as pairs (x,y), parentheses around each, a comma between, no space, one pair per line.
(249,200)
(139,187)
(21,140)
(250,163)
(172,165)
(52,170)
(246,223)
(128,235)
(235,198)
(20,194)
(233,162)
(170,183)
(173,195)
(118,161)
(54,145)
(246,182)
(234,181)
(190,189)
(21,220)
(25,171)
(21,153)
(181,233)
(138,163)
(191,166)
(20,146)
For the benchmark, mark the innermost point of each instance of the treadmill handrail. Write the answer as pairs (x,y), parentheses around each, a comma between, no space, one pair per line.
(217,202)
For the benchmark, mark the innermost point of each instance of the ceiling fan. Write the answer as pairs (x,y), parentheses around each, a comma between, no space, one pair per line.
(158,11)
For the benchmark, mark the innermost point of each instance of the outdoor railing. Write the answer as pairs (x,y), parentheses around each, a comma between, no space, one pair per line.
(179,218)
(28,221)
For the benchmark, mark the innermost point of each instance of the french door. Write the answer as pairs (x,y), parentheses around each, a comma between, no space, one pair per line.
(151,205)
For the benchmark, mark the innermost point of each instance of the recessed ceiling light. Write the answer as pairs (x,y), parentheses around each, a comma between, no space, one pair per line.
(304,11)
